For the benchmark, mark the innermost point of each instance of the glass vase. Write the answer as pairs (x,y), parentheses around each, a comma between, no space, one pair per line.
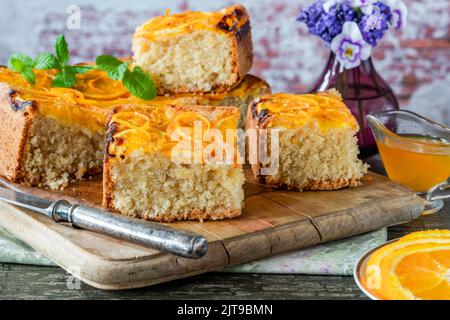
(364,91)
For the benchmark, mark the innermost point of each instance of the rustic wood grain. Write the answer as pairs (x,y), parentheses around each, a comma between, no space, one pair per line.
(32,282)
(273,222)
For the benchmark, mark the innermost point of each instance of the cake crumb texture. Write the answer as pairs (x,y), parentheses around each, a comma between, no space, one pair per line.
(156,188)
(55,153)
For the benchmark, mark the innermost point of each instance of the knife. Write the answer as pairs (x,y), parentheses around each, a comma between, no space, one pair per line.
(156,235)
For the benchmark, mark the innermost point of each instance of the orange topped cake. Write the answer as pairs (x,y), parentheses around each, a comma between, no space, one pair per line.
(317,144)
(50,135)
(195,51)
(169,163)
(47,135)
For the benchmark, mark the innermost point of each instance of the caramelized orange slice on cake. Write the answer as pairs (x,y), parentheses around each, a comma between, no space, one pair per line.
(183,124)
(97,85)
(293,111)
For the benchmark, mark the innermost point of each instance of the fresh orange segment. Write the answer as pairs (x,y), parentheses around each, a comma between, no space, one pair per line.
(428,234)
(416,266)
(417,272)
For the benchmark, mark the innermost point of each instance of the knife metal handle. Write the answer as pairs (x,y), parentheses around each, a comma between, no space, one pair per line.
(156,235)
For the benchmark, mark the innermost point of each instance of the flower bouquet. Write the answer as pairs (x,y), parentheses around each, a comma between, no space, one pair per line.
(350,29)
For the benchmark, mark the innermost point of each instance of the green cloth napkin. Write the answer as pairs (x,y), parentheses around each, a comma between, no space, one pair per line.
(333,258)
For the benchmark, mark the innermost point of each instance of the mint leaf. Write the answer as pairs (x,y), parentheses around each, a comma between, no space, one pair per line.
(119,72)
(28,74)
(24,65)
(81,69)
(19,61)
(113,66)
(139,84)
(45,61)
(66,78)
(61,49)
(107,63)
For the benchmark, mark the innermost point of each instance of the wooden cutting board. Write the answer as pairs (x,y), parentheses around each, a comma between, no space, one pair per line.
(273,222)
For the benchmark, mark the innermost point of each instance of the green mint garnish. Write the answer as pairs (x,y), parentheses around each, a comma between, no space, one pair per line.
(45,61)
(136,81)
(81,69)
(62,49)
(139,84)
(113,66)
(66,78)
(24,65)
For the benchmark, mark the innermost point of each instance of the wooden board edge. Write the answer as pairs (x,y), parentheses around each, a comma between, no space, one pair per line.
(102,274)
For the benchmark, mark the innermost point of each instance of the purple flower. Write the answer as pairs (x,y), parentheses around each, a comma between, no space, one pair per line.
(360,3)
(326,21)
(351,27)
(399,13)
(350,47)
(374,24)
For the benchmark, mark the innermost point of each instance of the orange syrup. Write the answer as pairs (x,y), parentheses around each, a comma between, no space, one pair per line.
(420,169)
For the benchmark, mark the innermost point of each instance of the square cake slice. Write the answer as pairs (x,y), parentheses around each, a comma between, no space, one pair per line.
(46,137)
(50,136)
(195,51)
(250,88)
(315,148)
(157,168)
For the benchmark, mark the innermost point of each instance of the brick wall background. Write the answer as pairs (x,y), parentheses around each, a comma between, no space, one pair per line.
(416,61)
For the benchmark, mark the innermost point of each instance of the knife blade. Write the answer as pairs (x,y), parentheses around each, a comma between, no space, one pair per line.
(153,234)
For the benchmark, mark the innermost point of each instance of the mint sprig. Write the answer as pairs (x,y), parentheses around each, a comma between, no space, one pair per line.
(24,65)
(136,81)
(45,61)
(62,50)
(139,84)
(113,66)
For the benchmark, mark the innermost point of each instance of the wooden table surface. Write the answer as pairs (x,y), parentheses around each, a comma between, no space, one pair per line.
(33,282)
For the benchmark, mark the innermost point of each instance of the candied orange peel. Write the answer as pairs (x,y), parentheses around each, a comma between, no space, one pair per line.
(87,104)
(293,111)
(150,129)
(175,24)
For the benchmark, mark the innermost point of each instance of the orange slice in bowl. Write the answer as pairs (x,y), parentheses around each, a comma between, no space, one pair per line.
(428,234)
(411,267)
(417,272)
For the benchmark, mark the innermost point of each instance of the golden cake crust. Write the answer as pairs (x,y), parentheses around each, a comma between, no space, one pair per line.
(285,110)
(110,157)
(159,122)
(232,21)
(15,125)
(260,118)
(312,184)
(22,105)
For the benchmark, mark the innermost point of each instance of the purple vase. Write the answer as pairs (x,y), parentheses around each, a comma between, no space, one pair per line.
(363,91)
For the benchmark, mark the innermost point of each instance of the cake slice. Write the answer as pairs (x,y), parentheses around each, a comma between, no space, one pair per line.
(250,88)
(317,146)
(195,51)
(50,136)
(151,174)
